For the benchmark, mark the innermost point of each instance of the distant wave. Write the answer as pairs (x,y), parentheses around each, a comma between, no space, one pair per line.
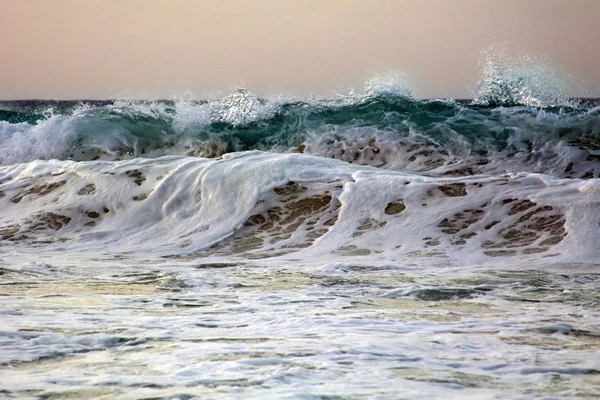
(382,129)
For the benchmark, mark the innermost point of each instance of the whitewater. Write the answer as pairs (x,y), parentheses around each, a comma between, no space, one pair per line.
(368,246)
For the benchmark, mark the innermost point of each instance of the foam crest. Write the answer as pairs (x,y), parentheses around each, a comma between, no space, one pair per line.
(241,107)
(128,129)
(47,139)
(389,84)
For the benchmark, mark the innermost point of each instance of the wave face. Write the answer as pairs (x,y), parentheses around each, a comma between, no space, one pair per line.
(383,128)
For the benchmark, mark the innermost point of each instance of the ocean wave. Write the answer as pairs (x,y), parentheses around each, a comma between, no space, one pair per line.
(264,205)
(384,129)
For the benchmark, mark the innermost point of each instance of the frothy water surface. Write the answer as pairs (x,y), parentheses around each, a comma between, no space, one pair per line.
(372,246)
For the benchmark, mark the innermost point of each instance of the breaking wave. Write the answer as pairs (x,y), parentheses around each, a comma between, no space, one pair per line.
(382,128)
(263,205)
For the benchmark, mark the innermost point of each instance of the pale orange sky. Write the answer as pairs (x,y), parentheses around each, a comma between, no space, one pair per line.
(166,48)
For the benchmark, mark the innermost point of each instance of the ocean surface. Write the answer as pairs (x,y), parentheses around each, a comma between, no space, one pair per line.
(369,246)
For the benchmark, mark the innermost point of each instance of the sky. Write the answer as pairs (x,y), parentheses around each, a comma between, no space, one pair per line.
(94,49)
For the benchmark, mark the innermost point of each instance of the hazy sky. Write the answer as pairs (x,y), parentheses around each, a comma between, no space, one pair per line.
(166,48)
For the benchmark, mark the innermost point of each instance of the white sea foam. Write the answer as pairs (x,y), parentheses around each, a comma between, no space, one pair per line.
(391,83)
(182,205)
(48,139)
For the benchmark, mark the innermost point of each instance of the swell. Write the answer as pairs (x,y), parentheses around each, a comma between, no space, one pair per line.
(383,130)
